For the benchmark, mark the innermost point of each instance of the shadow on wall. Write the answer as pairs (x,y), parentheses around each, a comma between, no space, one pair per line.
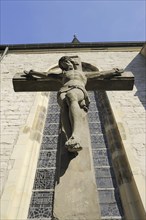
(138,68)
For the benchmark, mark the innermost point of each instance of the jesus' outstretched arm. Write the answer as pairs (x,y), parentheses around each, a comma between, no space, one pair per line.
(104,74)
(33,73)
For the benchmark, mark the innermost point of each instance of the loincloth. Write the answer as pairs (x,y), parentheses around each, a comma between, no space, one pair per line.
(86,97)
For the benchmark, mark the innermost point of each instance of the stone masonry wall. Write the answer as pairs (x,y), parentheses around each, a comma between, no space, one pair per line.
(129,106)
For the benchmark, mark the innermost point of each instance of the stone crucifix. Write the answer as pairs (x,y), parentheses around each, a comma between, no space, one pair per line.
(73,83)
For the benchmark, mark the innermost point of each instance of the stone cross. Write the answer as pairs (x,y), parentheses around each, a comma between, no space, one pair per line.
(73,83)
(76,194)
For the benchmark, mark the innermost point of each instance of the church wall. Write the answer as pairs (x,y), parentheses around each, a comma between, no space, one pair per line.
(128,106)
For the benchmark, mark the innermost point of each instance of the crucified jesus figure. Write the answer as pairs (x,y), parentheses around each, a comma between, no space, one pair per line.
(73,97)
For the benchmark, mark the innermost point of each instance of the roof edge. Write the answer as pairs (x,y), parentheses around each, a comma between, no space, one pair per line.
(72,45)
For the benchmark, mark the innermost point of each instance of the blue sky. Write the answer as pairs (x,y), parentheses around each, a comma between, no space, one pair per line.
(31,21)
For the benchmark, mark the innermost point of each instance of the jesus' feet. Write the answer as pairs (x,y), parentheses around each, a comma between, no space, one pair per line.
(73,144)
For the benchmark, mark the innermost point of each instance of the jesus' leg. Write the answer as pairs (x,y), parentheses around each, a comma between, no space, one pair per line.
(65,120)
(76,115)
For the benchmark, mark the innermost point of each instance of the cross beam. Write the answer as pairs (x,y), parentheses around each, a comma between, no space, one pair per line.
(52,83)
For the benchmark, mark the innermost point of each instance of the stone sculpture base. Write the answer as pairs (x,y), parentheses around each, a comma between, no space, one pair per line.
(76,195)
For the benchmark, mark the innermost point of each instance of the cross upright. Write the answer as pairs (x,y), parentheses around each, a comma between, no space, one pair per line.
(72,82)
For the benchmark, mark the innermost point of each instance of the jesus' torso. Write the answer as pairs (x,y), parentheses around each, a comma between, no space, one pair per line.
(74,78)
